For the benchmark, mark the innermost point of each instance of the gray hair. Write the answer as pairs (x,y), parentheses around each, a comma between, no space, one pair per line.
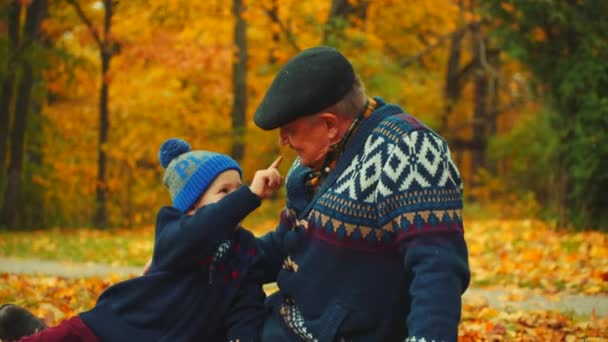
(352,103)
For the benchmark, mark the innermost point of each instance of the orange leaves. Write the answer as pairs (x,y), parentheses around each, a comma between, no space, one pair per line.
(52,298)
(24,3)
(507,7)
(528,253)
(55,298)
(532,256)
(173,78)
(482,323)
(538,34)
(508,253)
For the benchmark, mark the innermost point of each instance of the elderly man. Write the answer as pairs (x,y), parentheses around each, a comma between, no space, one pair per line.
(370,246)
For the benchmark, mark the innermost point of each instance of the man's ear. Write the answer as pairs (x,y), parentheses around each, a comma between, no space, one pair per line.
(331,121)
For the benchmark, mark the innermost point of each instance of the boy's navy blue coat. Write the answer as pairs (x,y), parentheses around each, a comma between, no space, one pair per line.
(187,295)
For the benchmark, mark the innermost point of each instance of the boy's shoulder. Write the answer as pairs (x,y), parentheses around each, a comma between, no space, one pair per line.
(167,214)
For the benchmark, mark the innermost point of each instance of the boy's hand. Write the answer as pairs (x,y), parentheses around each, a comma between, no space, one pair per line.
(147,267)
(267,182)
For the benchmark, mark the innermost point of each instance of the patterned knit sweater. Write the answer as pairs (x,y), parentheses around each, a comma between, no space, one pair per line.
(378,252)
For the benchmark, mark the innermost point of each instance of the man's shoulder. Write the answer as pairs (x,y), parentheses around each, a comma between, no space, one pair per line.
(404,122)
(396,127)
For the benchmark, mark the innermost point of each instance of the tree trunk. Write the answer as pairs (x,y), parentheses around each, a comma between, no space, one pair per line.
(273,12)
(101,189)
(36,215)
(8,82)
(105,53)
(12,195)
(452,82)
(343,13)
(452,79)
(493,103)
(33,205)
(239,82)
(480,106)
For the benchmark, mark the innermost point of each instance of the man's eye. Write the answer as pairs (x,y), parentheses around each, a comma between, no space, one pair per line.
(223,190)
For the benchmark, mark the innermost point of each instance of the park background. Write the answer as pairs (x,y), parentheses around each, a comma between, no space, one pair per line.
(519,89)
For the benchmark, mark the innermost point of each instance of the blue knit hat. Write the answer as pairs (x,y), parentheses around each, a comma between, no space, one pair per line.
(189,173)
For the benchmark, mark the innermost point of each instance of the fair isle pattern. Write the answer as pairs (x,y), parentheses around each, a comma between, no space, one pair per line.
(420,160)
(222,250)
(290,265)
(414,339)
(401,183)
(219,254)
(387,233)
(424,162)
(294,320)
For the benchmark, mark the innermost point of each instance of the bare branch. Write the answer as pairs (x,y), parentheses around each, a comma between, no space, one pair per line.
(430,48)
(465,144)
(509,106)
(483,59)
(87,22)
(288,34)
(471,122)
(405,62)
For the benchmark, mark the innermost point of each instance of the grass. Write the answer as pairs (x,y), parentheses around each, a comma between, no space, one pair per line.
(124,247)
(522,253)
(116,247)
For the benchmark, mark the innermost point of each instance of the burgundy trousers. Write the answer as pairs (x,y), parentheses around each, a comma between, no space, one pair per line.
(69,330)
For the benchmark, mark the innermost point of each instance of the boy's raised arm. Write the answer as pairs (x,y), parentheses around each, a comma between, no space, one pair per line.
(183,241)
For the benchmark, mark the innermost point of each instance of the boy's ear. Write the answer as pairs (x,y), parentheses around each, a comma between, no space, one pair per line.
(330,121)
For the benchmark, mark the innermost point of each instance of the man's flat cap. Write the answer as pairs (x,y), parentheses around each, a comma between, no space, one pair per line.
(311,81)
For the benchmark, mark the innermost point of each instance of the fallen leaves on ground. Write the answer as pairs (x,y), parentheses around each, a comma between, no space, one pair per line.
(506,253)
(55,298)
(530,254)
(483,323)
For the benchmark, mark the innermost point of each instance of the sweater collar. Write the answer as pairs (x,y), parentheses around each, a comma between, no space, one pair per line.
(316,177)
(353,146)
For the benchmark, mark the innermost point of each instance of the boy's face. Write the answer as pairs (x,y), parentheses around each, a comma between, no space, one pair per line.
(225,183)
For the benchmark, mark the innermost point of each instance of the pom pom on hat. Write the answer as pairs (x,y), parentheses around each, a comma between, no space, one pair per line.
(172,149)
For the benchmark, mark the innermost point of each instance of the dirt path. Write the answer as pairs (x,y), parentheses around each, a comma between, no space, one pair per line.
(501,299)
(63,269)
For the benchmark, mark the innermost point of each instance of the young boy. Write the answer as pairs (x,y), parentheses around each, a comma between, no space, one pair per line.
(202,284)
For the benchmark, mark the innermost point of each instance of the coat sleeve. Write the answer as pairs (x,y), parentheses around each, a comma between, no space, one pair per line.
(420,199)
(183,240)
(245,319)
(437,265)
(272,246)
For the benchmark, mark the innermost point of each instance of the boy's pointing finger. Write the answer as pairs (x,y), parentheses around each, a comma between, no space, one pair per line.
(275,164)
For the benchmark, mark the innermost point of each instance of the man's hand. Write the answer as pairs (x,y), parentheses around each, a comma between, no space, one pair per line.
(268,181)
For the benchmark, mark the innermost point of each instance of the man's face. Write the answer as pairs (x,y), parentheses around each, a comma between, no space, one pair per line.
(310,137)
(225,183)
